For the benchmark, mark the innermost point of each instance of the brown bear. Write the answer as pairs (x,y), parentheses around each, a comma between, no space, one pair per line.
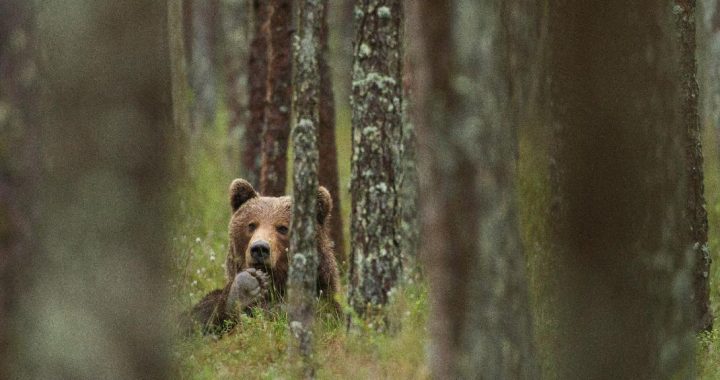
(257,263)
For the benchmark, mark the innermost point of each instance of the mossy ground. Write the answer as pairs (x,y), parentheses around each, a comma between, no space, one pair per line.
(258,348)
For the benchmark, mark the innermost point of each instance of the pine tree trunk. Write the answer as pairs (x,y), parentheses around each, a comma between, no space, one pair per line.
(625,275)
(19,169)
(302,282)
(377,104)
(257,85)
(94,301)
(235,22)
(480,313)
(202,64)
(273,170)
(326,142)
(695,206)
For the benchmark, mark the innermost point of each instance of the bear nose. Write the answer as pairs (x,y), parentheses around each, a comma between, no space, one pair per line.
(260,251)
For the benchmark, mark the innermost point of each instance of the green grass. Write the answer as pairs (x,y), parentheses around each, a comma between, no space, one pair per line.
(257,348)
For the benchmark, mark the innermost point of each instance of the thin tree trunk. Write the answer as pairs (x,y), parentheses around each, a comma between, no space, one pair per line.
(19,169)
(480,324)
(178,67)
(279,96)
(202,64)
(235,46)
(302,282)
(326,142)
(625,275)
(93,305)
(376,264)
(696,214)
(257,84)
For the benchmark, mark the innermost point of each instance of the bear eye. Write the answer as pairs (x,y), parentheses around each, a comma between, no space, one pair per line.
(283,230)
(252,227)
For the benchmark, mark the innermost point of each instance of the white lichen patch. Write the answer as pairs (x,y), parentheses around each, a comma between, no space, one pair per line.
(384,12)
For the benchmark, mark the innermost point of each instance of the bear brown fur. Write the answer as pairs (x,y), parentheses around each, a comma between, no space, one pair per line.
(257,264)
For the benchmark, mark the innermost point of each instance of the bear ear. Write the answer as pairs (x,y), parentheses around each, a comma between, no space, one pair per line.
(324,205)
(240,192)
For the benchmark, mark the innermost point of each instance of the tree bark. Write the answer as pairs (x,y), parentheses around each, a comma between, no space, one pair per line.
(376,264)
(625,272)
(257,84)
(278,100)
(326,142)
(202,64)
(302,281)
(19,170)
(697,223)
(94,301)
(480,314)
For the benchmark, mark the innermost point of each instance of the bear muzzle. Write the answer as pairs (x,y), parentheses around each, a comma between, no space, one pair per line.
(260,252)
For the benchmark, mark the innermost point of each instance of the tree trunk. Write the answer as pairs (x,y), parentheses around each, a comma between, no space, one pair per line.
(279,95)
(178,67)
(19,171)
(697,228)
(326,142)
(302,282)
(257,85)
(480,314)
(94,302)
(377,136)
(235,22)
(625,275)
(202,64)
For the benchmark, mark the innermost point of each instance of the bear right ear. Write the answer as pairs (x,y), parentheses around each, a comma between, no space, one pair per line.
(240,192)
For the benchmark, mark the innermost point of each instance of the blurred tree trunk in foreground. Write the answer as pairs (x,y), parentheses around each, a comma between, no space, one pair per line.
(480,325)
(178,67)
(257,91)
(618,222)
(203,63)
(697,222)
(302,282)
(19,166)
(94,306)
(326,142)
(376,265)
(278,100)
(235,44)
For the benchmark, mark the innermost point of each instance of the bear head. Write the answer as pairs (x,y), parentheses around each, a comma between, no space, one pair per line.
(259,230)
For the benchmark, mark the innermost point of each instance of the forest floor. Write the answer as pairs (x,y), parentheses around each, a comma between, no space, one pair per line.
(257,348)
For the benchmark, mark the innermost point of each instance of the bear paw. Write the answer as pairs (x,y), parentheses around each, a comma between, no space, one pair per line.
(247,287)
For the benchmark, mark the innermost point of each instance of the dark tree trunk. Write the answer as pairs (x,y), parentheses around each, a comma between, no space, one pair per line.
(19,169)
(480,325)
(279,96)
(257,85)
(202,63)
(326,143)
(376,264)
(625,275)
(94,301)
(302,282)
(235,46)
(697,234)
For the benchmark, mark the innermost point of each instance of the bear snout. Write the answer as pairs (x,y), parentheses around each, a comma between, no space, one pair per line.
(260,252)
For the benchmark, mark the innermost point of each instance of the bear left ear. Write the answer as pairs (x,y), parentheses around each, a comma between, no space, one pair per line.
(324,205)
(240,192)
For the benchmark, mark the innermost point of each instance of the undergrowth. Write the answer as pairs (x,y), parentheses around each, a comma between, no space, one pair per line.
(257,348)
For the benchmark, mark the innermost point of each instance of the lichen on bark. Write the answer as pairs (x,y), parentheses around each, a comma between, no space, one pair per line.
(376,265)
(304,259)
